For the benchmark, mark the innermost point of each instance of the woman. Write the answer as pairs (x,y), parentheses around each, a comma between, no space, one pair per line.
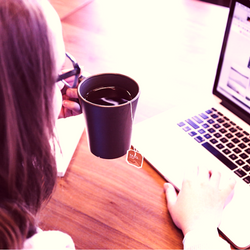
(31,56)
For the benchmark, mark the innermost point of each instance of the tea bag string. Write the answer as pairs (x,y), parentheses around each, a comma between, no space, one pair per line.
(131,111)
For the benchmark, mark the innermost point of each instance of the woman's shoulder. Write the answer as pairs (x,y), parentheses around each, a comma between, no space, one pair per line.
(49,240)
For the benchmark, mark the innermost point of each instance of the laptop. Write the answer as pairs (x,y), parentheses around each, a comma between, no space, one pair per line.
(212,130)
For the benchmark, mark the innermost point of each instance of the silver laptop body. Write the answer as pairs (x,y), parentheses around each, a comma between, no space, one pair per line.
(175,141)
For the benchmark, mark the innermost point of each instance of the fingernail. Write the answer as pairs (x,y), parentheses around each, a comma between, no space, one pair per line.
(165,186)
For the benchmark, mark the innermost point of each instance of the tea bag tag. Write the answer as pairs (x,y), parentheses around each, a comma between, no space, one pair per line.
(134,158)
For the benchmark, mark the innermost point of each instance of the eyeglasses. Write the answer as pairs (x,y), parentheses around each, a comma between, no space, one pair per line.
(74,72)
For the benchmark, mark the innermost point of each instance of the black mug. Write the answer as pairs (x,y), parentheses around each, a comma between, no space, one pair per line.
(109,102)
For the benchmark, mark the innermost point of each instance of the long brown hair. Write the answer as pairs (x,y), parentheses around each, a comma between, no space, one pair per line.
(27,81)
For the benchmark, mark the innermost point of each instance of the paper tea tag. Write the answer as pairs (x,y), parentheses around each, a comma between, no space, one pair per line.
(134,158)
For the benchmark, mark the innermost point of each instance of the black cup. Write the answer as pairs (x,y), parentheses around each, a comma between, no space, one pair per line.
(109,128)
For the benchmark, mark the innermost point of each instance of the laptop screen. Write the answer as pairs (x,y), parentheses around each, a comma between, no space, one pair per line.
(233,74)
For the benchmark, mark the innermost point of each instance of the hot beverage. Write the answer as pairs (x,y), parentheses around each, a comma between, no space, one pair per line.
(108,103)
(108,96)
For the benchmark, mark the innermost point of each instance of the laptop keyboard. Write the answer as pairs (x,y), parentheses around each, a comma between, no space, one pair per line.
(223,138)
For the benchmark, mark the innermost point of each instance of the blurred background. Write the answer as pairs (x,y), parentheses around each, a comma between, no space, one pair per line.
(219,2)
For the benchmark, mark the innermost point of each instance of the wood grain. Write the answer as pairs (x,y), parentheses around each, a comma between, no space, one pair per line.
(111,204)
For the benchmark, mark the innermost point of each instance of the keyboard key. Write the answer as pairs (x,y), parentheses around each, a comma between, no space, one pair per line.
(230,145)
(213,141)
(181,124)
(223,131)
(209,111)
(239,128)
(210,121)
(217,135)
(240,162)
(199,139)
(239,134)
(244,156)
(207,136)
(192,133)
(235,140)
(246,140)
(233,130)
(220,120)
(245,132)
(237,150)
(201,131)
(186,129)
(214,116)
(216,125)
(246,168)
(233,156)
(241,173)
(211,130)
(205,125)
(224,140)
(204,116)
(247,150)
(226,151)
(192,124)
(242,145)
(247,179)
(197,119)
(220,146)
(226,125)
(229,135)
(219,155)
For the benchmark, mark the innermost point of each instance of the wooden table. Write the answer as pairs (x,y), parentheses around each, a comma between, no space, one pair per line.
(171,45)
(111,204)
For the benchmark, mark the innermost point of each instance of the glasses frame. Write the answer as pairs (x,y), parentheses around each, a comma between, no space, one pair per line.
(74,72)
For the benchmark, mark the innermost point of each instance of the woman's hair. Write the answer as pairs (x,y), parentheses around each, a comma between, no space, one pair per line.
(27,82)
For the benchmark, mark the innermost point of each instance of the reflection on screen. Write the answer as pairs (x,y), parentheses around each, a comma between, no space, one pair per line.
(234,82)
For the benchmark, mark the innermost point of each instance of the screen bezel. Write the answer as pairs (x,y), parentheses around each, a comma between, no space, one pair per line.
(240,112)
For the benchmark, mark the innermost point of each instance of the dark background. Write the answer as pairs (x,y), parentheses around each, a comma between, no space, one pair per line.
(219,2)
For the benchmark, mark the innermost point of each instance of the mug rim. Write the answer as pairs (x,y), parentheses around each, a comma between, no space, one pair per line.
(107,106)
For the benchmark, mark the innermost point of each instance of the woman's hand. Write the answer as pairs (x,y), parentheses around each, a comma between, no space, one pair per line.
(201,200)
(70,104)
